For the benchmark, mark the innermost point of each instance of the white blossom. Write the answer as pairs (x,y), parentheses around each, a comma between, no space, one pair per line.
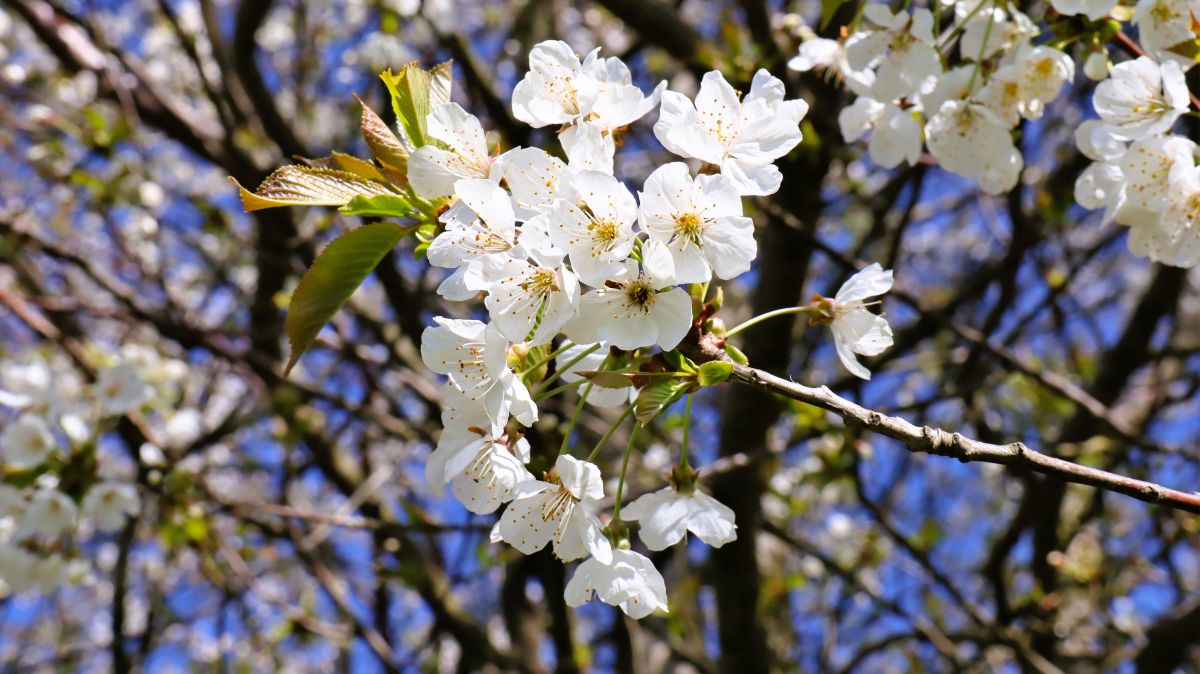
(481,468)
(527,302)
(1009,30)
(474,356)
(588,148)
(1141,98)
(700,221)
(559,89)
(638,308)
(481,223)
(902,49)
(972,141)
(18,568)
(955,84)
(1161,200)
(12,501)
(533,176)
(29,384)
(433,171)
(1023,87)
(629,581)
(1178,237)
(1097,65)
(742,137)
(829,57)
(49,513)
(1146,168)
(855,329)
(556,90)
(1164,24)
(618,103)
(1092,9)
(109,503)
(120,389)
(1043,71)
(1102,184)
(895,136)
(562,512)
(26,442)
(667,515)
(593,223)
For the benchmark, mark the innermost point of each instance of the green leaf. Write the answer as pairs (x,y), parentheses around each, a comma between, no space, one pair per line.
(414,93)
(305,186)
(607,379)
(737,355)
(655,397)
(828,9)
(382,206)
(678,361)
(195,528)
(714,372)
(334,276)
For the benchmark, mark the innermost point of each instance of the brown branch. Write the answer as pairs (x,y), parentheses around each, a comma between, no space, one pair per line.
(661,24)
(1169,640)
(928,440)
(250,17)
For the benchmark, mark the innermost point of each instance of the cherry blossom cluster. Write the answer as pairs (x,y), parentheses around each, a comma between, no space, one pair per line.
(894,63)
(1142,175)
(576,268)
(912,94)
(57,485)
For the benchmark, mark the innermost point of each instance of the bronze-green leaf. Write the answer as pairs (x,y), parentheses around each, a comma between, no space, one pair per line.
(334,276)
(340,161)
(304,186)
(387,147)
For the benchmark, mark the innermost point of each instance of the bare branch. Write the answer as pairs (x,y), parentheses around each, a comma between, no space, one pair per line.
(928,440)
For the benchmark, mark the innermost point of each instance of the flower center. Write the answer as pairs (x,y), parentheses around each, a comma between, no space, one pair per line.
(559,505)
(540,282)
(1162,12)
(639,294)
(1193,208)
(689,226)
(603,231)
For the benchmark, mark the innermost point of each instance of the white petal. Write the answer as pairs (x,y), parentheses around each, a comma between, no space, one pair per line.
(672,315)
(868,282)
(711,520)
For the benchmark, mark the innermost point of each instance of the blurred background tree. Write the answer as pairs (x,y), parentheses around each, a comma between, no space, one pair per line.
(285,524)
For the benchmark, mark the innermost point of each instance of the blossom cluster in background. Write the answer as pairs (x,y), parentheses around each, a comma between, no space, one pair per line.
(913,92)
(59,485)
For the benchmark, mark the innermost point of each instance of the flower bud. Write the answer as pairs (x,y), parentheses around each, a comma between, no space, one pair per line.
(1096,66)
(516,356)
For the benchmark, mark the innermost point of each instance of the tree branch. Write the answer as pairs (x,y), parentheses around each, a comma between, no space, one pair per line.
(928,440)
